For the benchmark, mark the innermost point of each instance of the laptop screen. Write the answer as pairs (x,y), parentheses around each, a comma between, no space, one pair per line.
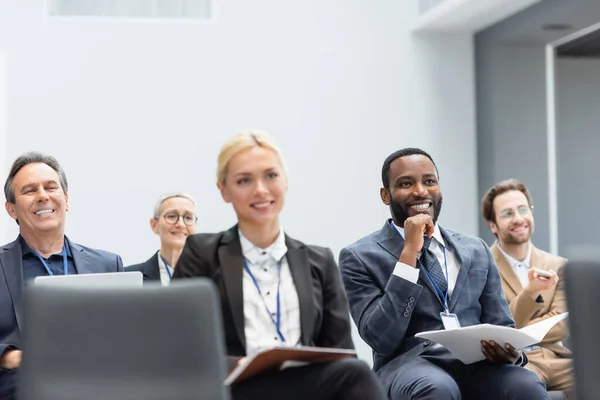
(113,280)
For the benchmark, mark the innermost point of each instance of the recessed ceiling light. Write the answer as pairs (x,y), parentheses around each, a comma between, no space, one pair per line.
(557,27)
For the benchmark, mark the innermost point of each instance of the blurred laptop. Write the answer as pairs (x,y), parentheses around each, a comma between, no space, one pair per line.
(582,282)
(128,279)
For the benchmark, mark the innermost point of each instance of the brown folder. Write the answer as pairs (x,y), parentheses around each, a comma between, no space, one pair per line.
(274,358)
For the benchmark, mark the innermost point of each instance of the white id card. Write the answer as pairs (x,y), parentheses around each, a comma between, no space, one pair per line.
(449,320)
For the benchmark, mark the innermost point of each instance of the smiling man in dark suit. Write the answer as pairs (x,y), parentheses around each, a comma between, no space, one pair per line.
(413,276)
(37,199)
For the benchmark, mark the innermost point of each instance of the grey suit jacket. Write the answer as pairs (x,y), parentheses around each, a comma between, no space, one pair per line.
(87,261)
(389,310)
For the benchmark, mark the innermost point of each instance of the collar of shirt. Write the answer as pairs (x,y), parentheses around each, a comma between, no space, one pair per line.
(514,263)
(255,254)
(437,234)
(26,250)
(163,264)
(166,272)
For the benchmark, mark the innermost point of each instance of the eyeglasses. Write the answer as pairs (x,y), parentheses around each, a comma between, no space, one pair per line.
(188,219)
(509,213)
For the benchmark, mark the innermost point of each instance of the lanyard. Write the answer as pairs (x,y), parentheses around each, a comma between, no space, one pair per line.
(276,321)
(166,266)
(441,295)
(63,253)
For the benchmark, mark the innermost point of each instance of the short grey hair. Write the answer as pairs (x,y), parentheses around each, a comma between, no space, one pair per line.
(168,196)
(32,158)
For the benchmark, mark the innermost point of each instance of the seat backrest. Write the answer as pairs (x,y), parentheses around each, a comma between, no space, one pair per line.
(582,282)
(123,343)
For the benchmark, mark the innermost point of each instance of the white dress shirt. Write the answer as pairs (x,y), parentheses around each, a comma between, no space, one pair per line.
(521,268)
(444,256)
(259,328)
(165,277)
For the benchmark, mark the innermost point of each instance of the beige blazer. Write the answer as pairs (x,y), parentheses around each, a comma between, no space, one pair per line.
(527,311)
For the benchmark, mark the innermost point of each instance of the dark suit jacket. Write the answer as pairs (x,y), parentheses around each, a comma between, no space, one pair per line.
(149,268)
(389,310)
(86,261)
(324,316)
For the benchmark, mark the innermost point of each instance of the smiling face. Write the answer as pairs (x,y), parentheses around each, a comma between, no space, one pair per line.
(40,204)
(255,185)
(514,220)
(174,235)
(414,189)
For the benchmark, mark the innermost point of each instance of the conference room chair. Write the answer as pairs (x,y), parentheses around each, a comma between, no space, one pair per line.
(150,343)
(582,282)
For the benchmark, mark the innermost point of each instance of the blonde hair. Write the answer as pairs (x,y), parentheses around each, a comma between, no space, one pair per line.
(243,141)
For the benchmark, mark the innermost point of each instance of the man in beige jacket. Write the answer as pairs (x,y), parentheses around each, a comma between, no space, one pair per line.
(507,208)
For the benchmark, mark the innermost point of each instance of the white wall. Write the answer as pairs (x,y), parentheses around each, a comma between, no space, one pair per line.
(136,109)
(4,162)
(443,121)
(425,5)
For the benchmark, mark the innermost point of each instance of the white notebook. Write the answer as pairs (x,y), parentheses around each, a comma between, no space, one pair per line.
(465,343)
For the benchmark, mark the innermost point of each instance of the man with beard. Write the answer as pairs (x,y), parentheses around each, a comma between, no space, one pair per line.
(413,276)
(532,298)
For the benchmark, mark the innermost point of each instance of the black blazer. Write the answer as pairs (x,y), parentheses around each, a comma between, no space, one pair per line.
(324,314)
(149,268)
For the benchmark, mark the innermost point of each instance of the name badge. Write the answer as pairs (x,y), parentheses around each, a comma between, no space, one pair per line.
(450,321)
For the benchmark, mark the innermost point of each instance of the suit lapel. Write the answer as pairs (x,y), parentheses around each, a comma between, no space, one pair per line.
(539,262)
(463,256)
(390,240)
(83,265)
(153,270)
(536,260)
(297,258)
(506,271)
(394,244)
(231,261)
(11,262)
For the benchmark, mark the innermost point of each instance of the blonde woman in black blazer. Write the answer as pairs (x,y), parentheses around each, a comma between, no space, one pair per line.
(275,290)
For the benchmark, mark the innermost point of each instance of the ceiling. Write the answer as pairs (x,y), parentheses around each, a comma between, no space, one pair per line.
(465,16)
(548,21)
(586,46)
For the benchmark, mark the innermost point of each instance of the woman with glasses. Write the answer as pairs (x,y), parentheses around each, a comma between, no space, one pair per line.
(274,290)
(173,221)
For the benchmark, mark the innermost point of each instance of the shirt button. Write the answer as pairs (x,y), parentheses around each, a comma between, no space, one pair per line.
(275,338)
(264,269)
(268,293)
